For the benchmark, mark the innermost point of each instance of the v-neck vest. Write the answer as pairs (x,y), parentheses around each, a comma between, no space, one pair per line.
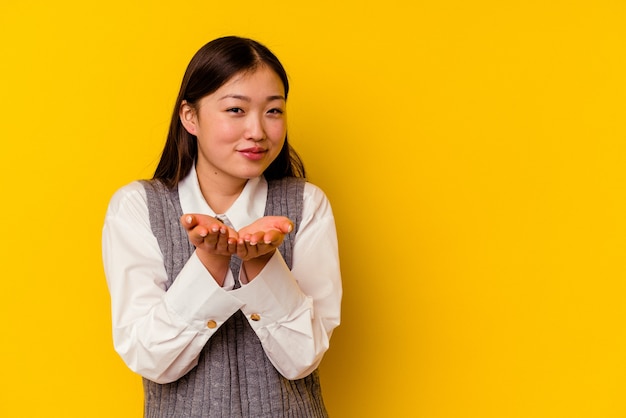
(233,378)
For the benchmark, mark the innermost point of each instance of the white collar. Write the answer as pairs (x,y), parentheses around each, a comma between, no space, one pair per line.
(247,208)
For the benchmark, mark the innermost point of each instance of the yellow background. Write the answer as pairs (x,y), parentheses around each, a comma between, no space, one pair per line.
(474,153)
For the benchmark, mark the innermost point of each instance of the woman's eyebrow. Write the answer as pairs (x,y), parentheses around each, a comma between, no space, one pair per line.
(248,99)
(236,96)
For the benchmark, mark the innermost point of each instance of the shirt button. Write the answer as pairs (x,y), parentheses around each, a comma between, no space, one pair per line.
(211,324)
(255,317)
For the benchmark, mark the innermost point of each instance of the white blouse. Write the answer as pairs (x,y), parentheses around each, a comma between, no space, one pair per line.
(160,333)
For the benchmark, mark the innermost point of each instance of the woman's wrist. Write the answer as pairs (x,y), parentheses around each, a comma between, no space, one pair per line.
(254,266)
(217,265)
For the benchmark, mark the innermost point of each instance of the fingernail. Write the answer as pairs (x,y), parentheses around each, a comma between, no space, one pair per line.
(189,219)
(290,228)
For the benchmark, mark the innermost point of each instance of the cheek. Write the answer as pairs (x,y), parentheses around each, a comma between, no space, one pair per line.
(277,131)
(220,131)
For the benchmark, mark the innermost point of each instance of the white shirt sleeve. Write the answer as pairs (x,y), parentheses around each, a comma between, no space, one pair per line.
(159,333)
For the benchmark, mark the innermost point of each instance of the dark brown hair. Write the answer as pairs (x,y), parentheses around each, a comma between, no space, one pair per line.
(212,66)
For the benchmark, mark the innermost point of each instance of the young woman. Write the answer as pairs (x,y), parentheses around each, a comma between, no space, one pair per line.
(223,269)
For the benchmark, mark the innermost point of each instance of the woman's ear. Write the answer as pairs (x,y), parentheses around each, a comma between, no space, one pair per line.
(188,117)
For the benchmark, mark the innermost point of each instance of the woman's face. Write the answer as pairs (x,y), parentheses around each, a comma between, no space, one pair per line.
(241,127)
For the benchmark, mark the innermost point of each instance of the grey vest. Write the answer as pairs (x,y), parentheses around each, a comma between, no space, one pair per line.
(233,378)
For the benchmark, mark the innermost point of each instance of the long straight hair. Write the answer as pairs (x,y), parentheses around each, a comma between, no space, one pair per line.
(210,68)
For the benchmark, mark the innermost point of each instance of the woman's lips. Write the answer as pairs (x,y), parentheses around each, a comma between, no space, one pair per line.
(254,153)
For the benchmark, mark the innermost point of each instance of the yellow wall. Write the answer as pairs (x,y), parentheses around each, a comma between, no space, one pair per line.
(474,152)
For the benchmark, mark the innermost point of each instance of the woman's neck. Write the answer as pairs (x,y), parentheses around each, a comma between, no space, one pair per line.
(219,191)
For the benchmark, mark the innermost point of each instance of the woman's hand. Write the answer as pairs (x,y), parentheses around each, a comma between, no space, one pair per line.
(262,236)
(214,242)
(259,240)
(209,234)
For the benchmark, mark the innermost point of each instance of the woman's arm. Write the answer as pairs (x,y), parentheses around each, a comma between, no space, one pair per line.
(159,333)
(294,312)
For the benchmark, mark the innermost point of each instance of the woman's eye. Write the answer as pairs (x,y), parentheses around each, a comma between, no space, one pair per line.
(235,110)
(275,111)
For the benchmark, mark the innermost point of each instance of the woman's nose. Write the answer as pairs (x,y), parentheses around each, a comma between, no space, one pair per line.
(254,129)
